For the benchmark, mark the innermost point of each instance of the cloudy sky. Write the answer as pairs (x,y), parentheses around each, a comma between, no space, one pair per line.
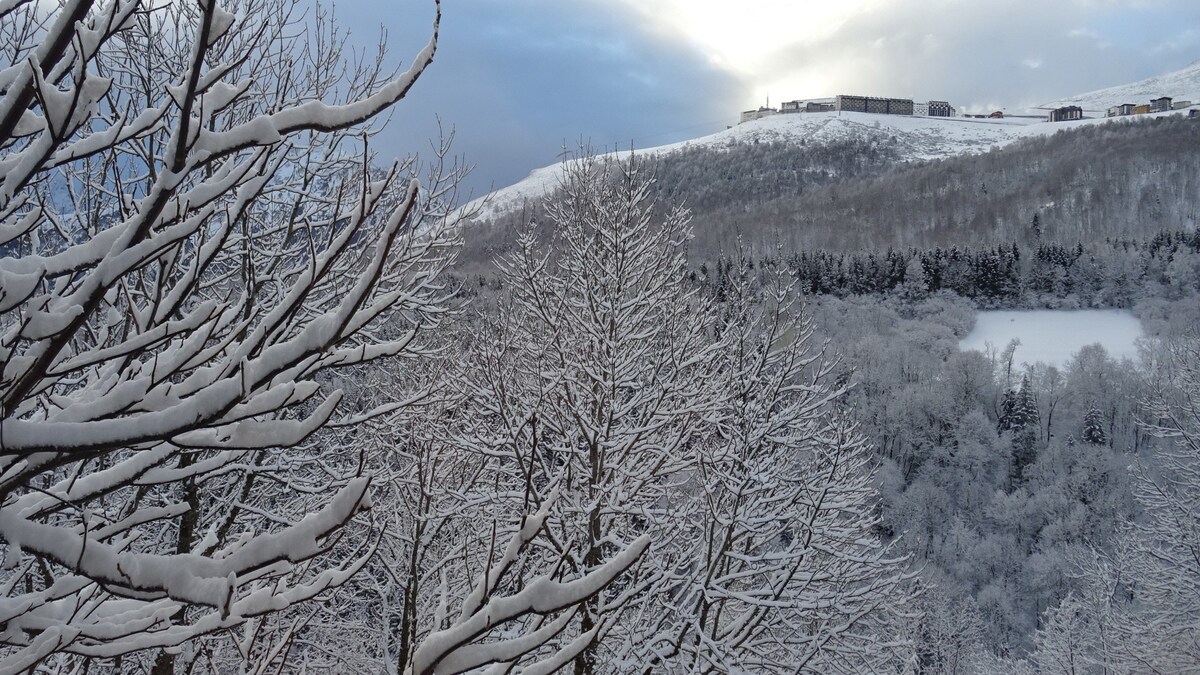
(519,80)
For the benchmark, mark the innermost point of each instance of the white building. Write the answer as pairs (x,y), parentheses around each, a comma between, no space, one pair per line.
(750,115)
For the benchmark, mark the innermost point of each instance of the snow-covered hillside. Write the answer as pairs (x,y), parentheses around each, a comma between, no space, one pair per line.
(919,138)
(1181,85)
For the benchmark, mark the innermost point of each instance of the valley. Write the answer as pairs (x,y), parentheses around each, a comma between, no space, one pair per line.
(827,392)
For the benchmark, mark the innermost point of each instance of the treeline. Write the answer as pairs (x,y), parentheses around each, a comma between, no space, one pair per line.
(1109,273)
(709,178)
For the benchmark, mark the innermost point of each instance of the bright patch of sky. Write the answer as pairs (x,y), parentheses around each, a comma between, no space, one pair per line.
(744,39)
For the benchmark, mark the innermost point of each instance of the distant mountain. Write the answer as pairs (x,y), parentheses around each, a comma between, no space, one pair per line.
(919,138)
(916,139)
(864,191)
(849,181)
(1180,85)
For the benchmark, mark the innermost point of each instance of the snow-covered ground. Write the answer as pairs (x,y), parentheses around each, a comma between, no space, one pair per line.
(1054,336)
(919,138)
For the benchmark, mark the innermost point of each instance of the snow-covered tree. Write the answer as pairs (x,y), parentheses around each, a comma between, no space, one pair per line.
(950,637)
(1094,427)
(194,242)
(788,573)
(713,431)
(593,377)
(1023,412)
(915,287)
(193,236)
(1166,565)
(1023,420)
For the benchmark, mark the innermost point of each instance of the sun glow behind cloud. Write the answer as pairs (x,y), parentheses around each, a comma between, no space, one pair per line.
(746,38)
(1016,52)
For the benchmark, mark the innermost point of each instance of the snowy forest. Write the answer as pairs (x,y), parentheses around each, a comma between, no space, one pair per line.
(272,402)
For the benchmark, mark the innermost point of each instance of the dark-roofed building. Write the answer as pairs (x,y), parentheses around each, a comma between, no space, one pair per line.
(1121,110)
(871,104)
(801,105)
(1162,104)
(1066,114)
(940,109)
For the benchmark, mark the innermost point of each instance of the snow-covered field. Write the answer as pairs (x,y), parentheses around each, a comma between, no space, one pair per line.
(1054,336)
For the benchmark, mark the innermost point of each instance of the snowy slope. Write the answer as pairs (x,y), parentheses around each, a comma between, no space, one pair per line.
(1180,85)
(920,138)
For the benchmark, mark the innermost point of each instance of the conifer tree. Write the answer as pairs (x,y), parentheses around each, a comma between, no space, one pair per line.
(1093,427)
(915,286)
(1023,422)
(1007,405)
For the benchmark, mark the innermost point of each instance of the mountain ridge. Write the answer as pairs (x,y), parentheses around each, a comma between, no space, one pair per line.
(919,138)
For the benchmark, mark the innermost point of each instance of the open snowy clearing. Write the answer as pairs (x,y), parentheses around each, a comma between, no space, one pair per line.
(1054,336)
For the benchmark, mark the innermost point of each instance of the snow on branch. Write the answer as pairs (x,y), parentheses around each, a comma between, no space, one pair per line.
(461,647)
(194,242)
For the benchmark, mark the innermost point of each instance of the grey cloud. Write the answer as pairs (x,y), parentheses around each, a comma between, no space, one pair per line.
(518,80)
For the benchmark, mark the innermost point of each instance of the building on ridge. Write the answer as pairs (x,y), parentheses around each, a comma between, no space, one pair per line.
(871,104)
(940,109)
(762,112)
(1161,104)
(803,106)
(1066,114)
